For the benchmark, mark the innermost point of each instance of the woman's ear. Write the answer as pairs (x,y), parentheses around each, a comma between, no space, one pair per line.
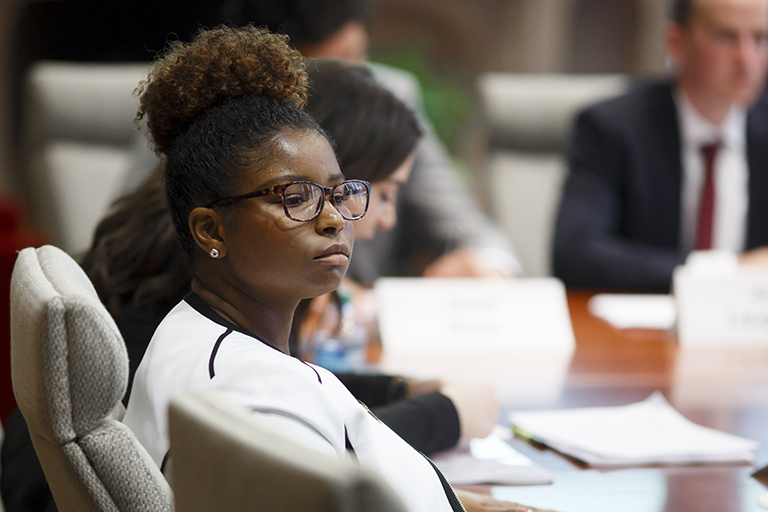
(206,226)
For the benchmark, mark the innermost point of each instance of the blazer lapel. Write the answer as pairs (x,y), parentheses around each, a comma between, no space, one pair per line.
(669,172)
(757,159)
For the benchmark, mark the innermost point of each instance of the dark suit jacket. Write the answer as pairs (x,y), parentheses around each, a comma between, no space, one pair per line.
(619,219)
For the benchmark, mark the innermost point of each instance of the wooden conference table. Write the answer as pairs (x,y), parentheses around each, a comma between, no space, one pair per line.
(726,389)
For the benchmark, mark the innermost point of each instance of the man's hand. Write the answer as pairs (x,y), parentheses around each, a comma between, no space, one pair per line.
(755,258)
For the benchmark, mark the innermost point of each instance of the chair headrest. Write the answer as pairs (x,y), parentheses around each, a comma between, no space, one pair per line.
(536,111)
(79,100)
(69,363)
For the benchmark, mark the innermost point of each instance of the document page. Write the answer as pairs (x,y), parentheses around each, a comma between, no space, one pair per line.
(634,311)
(645,433)
(491,460)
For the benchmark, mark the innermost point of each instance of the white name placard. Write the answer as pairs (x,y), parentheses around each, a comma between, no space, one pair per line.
(515,335)
(729,308)
(471,315)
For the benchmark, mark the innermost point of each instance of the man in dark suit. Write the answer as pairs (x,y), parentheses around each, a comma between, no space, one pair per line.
(674,165)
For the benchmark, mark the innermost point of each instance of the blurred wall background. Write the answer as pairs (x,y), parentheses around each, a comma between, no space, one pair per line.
(574,36)
(461,38)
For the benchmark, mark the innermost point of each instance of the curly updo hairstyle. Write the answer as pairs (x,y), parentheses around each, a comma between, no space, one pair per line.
(374,131)
(215,107)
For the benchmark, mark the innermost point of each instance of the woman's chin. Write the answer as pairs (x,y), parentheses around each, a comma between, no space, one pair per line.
(328,285)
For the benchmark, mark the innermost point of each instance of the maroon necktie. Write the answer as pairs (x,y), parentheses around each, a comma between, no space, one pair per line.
(707,200)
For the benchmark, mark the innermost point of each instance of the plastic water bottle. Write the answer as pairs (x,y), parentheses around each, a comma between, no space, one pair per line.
(344,350)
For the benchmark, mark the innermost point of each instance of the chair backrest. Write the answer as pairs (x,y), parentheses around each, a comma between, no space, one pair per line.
(223,459)
(70,370)
(527,122)
(78,132)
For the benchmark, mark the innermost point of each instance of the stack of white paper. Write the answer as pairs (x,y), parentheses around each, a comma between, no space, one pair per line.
(633,311)
(490,461)
(644,433)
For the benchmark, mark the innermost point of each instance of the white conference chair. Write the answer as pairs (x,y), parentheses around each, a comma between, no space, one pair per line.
(223,459)
(526,126)
(78,143)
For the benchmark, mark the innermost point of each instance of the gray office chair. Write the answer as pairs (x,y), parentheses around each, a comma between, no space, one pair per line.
(526,124)
(224,460)
(70,370)
(78,143)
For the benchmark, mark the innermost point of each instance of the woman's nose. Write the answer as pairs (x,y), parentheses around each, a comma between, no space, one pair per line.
(330,220)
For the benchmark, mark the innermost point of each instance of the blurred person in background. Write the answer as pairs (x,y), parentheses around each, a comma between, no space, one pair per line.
(674,165)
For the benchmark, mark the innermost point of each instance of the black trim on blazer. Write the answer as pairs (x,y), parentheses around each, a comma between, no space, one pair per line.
(215,350)
(207,311)
(319,379)
(348,444)
(166,458)
(450,493)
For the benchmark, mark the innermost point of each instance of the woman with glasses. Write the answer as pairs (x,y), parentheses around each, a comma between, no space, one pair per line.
(262,210)
(264,214)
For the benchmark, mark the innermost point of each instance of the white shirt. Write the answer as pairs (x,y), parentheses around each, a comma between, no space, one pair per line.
(193,347)
(731,175)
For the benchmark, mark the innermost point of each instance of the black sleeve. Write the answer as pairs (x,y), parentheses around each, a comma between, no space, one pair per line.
(374,390)
(137,329)
(429,423)
(22,482)
(589,250)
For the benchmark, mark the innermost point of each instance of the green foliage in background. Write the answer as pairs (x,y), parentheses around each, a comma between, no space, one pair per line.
(446,96)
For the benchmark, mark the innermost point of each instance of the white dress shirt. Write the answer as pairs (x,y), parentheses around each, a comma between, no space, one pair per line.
(731,175)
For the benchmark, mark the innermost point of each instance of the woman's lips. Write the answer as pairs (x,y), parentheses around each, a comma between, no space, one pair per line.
(334,259)
(337,254)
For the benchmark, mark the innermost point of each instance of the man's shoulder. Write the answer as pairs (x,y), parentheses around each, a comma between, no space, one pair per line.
(760,106)
(644,101)
(641,94)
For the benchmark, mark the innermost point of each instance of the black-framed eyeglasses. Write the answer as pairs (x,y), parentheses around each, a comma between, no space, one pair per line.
(304,200)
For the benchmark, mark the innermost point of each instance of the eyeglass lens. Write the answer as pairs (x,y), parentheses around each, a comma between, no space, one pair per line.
(304,200)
